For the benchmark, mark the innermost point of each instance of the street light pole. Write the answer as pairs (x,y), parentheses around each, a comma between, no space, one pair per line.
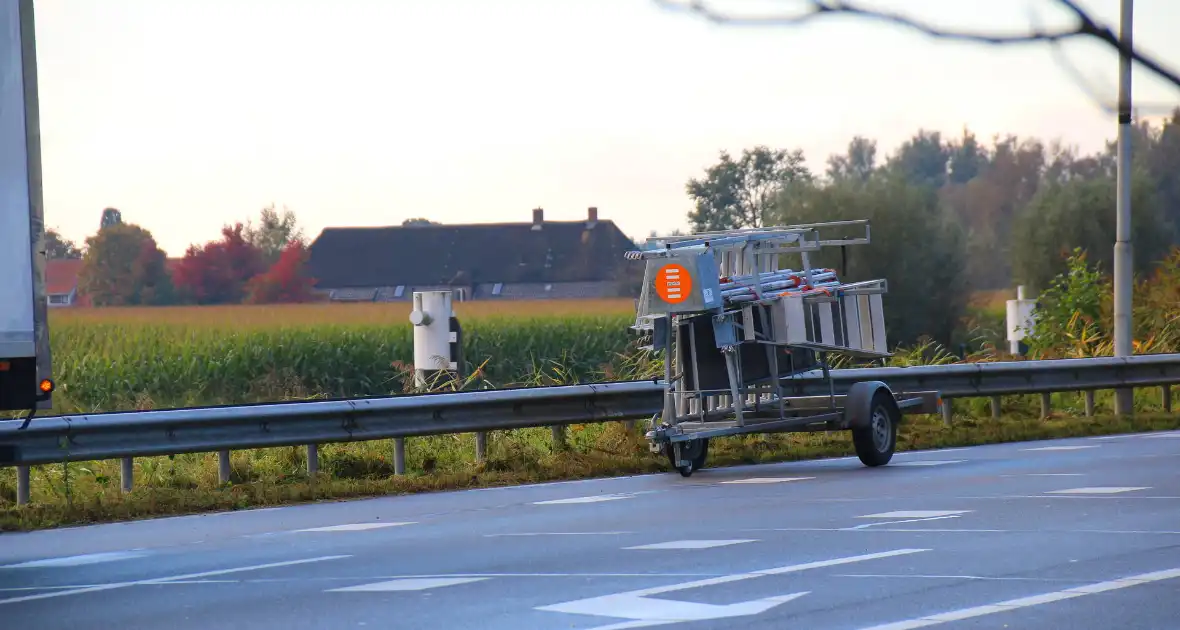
(1123,273)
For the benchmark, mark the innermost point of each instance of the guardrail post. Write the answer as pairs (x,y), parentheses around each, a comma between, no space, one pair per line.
(1124,401)
(313,459)
(399,456)
(947,411)
(1046,404)
(127,473)
(558,437)
(223,466)
(1089,403)
(22,485)
(481,446)
(1168,398)
(995,407)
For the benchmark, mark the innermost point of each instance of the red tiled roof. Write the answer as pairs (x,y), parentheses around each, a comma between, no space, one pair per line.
(61,275)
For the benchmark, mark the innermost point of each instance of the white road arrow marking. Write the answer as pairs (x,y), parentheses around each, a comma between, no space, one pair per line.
(641,609)
(652,612)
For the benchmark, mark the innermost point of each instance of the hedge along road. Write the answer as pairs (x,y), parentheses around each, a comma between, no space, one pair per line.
(1065,533)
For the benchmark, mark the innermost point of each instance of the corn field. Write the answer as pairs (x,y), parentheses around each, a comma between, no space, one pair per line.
(106,366)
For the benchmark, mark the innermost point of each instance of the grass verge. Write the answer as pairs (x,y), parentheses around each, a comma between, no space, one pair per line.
(88,492)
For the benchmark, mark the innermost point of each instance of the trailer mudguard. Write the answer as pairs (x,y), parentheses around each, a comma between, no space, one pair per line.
(858,410)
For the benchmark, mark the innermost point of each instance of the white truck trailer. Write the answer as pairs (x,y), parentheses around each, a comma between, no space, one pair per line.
(25,379)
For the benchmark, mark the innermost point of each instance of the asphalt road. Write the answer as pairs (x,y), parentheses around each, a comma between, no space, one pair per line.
(1079,533)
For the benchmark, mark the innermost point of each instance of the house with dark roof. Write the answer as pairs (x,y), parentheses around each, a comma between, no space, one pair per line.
(537,260)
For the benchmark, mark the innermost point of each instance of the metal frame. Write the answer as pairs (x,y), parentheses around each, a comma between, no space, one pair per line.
(751,280)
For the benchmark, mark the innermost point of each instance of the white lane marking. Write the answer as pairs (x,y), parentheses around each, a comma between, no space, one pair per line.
(557,534)
(17,589)
(1061,448)
(1137,436)
(929,462)
(910,520)
(408,584)
(1025,602)
(794,568)
(964,530)
(1075,497)
(76,561)
(915,513)
(1098,490)
(1047,475)
(635,606)
(598,498)
(767,480)
(351,527)
(951,577)
(198,582)
(165,580)
(243,511)
(692,544)
(570,482)
(654,612)
(628,625)
(935,450)
(482,575)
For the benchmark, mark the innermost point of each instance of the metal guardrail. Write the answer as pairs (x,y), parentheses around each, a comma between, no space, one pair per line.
(205,429)
(201,430)
(1007,378)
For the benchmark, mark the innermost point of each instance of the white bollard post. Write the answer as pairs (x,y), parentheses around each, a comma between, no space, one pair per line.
(431,317)
(1020,319)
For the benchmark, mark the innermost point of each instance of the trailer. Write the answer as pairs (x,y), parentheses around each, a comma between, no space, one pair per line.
(736,326)
(25,380)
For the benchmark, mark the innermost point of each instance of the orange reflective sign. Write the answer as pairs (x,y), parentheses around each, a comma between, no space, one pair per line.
(673,283)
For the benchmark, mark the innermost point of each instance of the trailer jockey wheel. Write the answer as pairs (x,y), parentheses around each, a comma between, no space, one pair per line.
(875,443)
(695,451)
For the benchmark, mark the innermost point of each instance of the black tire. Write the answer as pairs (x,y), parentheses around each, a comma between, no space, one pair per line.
(876,442)
(696,450)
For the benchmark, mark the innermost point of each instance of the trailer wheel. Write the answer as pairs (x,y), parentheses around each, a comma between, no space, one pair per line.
(696,451)
(875,443)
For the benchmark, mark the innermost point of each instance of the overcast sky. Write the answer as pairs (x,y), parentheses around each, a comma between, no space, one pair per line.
(188,114)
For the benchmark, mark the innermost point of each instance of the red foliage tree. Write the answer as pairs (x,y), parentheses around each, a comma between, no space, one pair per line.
(285,281)
(218,272)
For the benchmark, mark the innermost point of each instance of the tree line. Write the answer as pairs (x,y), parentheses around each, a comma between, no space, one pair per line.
(256,264)
(952,216)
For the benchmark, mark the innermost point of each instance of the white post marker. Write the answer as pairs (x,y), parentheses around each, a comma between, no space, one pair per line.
(431,317)
(1020,319)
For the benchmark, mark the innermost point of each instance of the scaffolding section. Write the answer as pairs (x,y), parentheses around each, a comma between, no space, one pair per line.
(734,323)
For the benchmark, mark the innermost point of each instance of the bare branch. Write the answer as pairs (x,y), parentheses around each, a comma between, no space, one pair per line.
(1088,87)
(1084,27)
